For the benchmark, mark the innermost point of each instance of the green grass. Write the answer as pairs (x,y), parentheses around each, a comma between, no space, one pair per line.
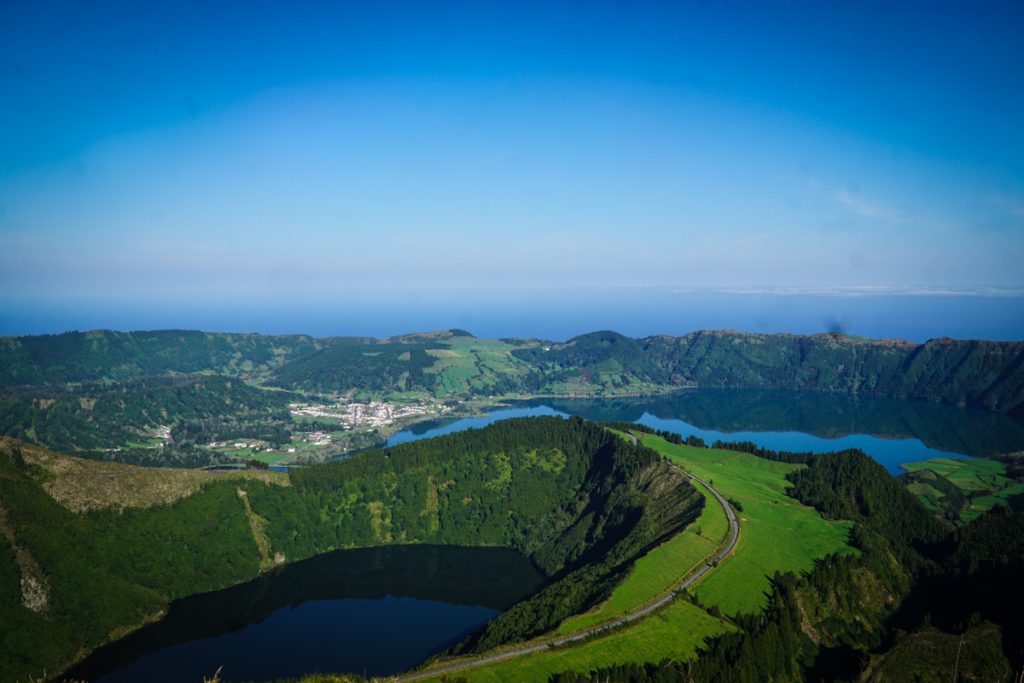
(470,364)
(676,631)
(982,481)
(927,494)
(974,474)
(272,458)
(777,532)
(979,505)
(661,569)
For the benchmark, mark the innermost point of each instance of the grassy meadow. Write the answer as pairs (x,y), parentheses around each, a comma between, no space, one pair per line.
(981,485)
(777,532)
(471,366)
(676,631)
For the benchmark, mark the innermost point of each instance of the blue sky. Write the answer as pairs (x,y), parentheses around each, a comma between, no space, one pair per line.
(197,159)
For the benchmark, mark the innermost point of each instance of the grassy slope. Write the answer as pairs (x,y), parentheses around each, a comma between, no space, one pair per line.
(676,631)
(212,537)
(81,484)
(984,481)
(477,365)
(777,534)
(658,571)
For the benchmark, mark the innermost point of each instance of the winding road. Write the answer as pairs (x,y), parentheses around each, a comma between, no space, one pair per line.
(639,613)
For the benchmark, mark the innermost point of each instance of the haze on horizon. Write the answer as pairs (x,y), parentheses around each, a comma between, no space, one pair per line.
(321,168)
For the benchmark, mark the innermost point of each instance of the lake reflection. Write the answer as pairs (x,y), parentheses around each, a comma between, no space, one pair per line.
(376,611)
(893,431)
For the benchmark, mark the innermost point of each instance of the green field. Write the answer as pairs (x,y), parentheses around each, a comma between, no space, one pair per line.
(676,631)
(982,484)
(473,366)
(974,474)
(661,569)
(777,533)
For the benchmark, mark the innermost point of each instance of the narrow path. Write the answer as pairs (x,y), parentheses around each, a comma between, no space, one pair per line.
(695,575)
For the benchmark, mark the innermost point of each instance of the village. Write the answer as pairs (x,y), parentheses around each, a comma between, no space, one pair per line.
(333,428)
(372,415)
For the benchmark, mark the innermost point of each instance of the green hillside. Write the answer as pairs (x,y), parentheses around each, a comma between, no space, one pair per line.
(123,421)
(899,610)
(107,355)
(988,375)
(580,502)
(778,534)
(963,490)
(105,394)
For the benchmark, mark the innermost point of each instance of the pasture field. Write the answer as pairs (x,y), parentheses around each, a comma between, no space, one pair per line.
(475,365)
(928,495)
(982,484)
(777,533)
(975,474)
(676,631)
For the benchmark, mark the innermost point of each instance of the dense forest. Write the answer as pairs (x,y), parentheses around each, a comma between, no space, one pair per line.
(107,355)
(582,503)
(896,611)
(364,366)
(988,375)
(117,421)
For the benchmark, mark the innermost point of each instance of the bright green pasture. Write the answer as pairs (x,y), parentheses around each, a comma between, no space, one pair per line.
(777,533)
(674,632)
(982,481)
(975,474)
(982,504)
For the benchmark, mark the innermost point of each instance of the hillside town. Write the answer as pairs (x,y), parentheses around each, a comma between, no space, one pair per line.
(372,415)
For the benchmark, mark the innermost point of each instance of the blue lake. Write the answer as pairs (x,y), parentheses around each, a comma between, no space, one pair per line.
(892,431)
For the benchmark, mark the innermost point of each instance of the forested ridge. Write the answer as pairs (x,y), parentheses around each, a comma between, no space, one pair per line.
(983,374)
(116,420)
(579,501)
(365,366)
(64,391)
(109,355)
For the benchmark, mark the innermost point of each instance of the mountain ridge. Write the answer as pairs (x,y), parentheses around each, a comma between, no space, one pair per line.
(977,373)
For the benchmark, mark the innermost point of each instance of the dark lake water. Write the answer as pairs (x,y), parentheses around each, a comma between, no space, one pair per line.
(372,611)
(892,431)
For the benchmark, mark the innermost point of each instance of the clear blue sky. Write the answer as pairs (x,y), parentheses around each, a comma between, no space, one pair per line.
(188,160)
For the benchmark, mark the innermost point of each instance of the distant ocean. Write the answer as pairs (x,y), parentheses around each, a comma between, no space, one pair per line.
(554,315)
